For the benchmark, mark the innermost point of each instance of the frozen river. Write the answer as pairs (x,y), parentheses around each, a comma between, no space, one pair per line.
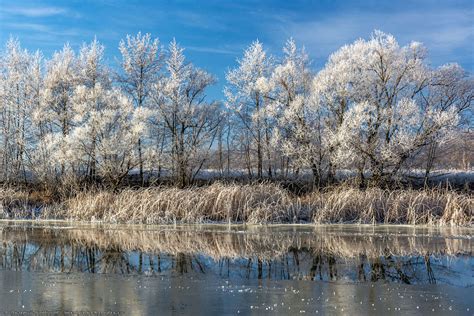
(217,269)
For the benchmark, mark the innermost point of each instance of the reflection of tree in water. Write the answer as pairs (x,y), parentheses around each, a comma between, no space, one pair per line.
(114,260)
(319,262)
(61,251)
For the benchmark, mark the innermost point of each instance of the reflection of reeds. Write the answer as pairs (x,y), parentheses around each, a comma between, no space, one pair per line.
(353,253)
(268,246)
(262,203)
(265,245)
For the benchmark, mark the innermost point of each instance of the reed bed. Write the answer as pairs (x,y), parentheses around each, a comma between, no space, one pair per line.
(415,207)
(257,203)
(262,203)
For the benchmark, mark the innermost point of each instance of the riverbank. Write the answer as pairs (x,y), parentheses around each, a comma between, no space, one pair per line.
(247,203)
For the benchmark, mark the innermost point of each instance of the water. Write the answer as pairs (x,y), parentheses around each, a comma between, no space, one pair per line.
(212,269)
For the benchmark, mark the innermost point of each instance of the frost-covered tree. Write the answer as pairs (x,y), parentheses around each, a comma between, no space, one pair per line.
(107,129)
(289,98)
(333,92)
(247,86)
(142,60)
(450,88)
(106,126)
(374,92)
(36,85)
(90,98)
(20,79)
(375,107)
(62,76)
(191,122)
(55,112)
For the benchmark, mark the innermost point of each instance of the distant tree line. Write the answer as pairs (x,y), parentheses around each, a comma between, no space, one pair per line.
(376,108)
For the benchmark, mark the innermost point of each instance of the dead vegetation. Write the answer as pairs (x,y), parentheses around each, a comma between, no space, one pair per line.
(250,203)
(404,206)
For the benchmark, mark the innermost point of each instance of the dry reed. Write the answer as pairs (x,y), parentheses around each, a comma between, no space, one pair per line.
(256,204)
(374,205)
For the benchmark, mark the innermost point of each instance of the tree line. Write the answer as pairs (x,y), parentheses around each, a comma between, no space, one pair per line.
(375,108)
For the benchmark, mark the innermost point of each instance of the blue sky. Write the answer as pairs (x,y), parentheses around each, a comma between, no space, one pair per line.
(215,32)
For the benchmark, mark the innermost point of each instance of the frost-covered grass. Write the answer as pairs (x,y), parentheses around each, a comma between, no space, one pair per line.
(251,203)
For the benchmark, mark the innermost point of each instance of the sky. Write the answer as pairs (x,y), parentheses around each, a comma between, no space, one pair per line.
(214,33)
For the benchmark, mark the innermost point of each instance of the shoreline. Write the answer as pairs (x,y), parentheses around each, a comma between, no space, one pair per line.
(218,226)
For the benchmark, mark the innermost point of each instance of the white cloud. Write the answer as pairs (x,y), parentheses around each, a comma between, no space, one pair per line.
(28,27)
(35,11)
(212,50)
(443,31)
(40,33)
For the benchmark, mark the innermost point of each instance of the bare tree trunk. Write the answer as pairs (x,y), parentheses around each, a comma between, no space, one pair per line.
(430,161)
(220,153)
(92,170)
(361,177)
(316,175)
(259,156)
(140,161)
(269,156)
(248,160)
(228,150)
(331,175)
(162,147)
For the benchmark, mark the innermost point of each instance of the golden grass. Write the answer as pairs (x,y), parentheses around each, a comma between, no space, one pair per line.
(257,204)
(374,205)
